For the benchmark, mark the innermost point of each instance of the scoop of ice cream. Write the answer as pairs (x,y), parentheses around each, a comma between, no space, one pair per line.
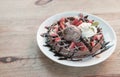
(87,29)
(72,33)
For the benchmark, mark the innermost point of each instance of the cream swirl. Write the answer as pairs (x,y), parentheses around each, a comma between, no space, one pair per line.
(87,29)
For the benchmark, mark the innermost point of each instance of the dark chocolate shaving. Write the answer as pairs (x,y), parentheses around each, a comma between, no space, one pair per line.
(64,58)
(104,49)
(70,18)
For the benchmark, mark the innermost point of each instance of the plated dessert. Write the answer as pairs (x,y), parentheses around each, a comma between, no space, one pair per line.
(74,38)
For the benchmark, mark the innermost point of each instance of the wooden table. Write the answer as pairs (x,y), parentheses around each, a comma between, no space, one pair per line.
(19,53)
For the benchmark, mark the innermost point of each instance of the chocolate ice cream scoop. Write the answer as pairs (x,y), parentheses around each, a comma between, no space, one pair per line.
(72,33)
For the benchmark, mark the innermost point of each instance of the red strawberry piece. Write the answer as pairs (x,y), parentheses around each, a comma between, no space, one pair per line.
(79,44)
(94,37)
(57,39)
(97,37)
(80,22)
(75,21)
(62,21)
(72,45)
(83,48)
(56,29)
(62,25)
(92,43)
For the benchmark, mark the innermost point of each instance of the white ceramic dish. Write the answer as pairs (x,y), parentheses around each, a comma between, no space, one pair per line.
(108,33)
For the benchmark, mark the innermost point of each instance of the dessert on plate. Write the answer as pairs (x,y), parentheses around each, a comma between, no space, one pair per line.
(74,38)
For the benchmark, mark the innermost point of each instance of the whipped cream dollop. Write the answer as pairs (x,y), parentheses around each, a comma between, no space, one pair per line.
(87,29)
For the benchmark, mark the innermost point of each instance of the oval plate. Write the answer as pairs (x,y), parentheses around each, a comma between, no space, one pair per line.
(108,33)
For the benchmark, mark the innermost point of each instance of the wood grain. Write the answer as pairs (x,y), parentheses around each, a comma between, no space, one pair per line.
(19,53)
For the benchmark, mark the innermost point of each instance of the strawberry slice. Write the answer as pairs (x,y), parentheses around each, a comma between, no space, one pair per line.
(83,48)
(92,43)
(79,44)
(75,21)
(97,37)
(72,45)
(94,37)
(80,22)
(57,39)
(62,21)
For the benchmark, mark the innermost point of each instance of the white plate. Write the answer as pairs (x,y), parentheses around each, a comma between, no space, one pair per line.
(108,33)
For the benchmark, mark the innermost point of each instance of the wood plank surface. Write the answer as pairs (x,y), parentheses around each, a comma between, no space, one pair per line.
(19,53)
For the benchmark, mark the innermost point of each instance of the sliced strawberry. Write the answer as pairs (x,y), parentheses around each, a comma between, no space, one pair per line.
(57,39)
(97,37)
(92,43)
(75,21)
(62,25)
(100,36)
(84,48)
(94,37)
(72,45)
(79,44)
(62,21)
(80,22)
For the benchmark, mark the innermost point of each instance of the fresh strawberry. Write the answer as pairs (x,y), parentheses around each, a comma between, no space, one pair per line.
(84,48)
(80,22)
(62,25)
(94,37)
(97,37)
(72,45)
(92,43)
(79,44)
(75,21)
(57,39)
(62,21)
